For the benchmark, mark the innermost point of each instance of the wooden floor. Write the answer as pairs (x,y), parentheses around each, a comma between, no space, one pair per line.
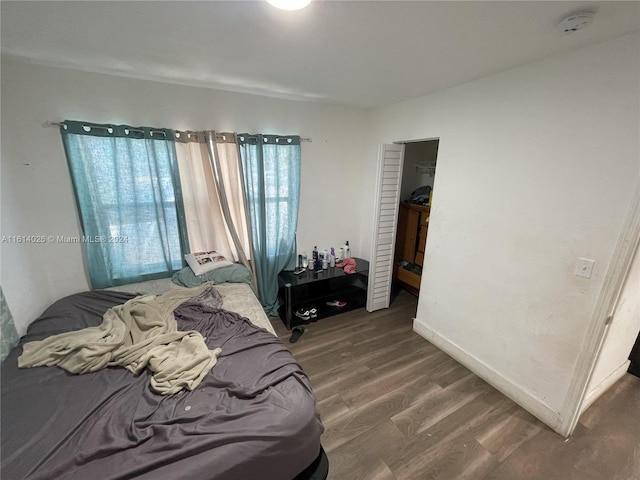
(396,407)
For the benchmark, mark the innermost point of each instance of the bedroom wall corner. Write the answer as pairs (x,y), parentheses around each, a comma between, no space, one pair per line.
(520,194)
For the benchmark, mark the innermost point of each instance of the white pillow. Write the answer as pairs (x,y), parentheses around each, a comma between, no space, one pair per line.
(201,262)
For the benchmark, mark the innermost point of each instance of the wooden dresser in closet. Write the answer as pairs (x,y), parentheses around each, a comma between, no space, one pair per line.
(411,239)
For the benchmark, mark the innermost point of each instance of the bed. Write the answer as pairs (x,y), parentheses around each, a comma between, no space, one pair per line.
(253,416)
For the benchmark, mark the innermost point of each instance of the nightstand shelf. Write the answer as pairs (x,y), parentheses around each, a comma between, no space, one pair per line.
(315,289)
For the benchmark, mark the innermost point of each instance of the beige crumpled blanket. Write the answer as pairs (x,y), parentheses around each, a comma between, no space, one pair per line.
(142,333)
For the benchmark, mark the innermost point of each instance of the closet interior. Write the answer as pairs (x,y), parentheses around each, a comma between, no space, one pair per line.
(416,191)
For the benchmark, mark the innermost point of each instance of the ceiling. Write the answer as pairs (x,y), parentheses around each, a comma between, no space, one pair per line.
(357,53)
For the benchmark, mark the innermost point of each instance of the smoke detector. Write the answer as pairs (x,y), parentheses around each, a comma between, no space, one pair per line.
(575,21)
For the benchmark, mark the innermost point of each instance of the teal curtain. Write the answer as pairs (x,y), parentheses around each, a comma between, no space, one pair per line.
(8,333)
(129,200)
(271,172)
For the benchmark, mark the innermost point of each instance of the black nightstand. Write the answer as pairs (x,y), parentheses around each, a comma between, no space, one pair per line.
(315,289)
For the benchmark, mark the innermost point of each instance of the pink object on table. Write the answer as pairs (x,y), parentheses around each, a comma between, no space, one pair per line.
(348,264)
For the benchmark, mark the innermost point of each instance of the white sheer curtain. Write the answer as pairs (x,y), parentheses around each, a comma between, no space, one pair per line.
(206,199)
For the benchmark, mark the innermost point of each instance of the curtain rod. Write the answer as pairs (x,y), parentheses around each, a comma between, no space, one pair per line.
(59,124)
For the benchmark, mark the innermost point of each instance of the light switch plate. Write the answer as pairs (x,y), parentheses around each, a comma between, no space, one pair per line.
(584,267)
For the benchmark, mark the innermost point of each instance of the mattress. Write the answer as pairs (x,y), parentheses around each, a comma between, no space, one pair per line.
(236,297)
(254,415)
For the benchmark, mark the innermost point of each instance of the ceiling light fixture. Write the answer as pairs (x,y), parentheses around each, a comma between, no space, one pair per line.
(289,4)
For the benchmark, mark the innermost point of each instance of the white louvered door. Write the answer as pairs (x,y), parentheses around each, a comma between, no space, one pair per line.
(385,222)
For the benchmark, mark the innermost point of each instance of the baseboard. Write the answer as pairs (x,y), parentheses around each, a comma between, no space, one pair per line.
(515,392)
(607,383)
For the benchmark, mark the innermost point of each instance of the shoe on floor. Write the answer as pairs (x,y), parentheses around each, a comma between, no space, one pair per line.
(296,333)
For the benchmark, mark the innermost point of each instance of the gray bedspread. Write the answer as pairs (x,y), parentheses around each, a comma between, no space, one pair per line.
(253,416)
(141,333)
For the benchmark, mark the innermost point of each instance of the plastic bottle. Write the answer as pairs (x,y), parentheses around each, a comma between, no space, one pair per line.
(316,265)
(332,258)
(341,254)
(325,259)
(305,261)
(347,250)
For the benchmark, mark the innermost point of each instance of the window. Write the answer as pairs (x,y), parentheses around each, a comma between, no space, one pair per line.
(129,200)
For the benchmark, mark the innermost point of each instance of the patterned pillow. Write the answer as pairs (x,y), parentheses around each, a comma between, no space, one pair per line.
(201,262)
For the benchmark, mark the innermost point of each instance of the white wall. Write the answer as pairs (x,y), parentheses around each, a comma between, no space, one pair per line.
(536,167)
(37,197)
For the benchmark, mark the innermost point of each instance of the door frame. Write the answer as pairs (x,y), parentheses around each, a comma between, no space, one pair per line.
(614,279)
(377,194)
(405,142)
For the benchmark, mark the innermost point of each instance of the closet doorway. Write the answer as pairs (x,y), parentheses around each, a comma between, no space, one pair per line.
(400,180)
(416,189)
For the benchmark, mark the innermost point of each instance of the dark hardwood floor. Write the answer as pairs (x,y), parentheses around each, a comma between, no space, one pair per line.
(396,407)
